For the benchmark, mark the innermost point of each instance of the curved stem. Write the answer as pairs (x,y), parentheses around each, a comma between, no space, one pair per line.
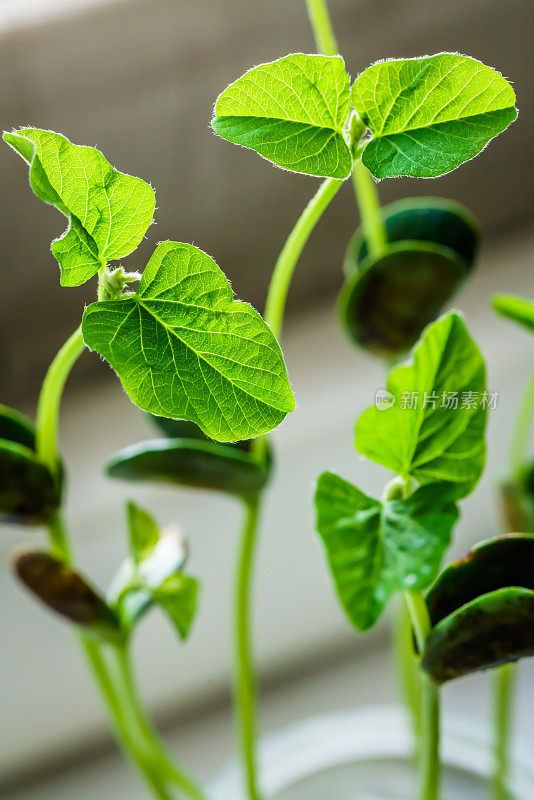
(287,260)
(520,436)
(504,687)
(322,27)
(370,211)
(429,743)
(245,688)
(50,398)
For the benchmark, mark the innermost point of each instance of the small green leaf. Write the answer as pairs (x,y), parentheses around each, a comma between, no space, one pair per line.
(376,549)
(518,309)
(494,564)
(293,112)
(496,628)
(440,436)
(385,304)
(178,597)
(422,219)
(428,115)
(108,211)
(143,530)
(190,462)
(63,590)
(29,493)
(184,348)
(16,427)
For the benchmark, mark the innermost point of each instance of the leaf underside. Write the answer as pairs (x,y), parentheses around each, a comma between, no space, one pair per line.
(293,112)
(429,115)
(108,211)
(375,549)
(183,348)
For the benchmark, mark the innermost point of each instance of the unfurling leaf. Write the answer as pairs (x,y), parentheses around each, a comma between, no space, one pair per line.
(434,429)
(183,348)
(143,530)
(63,590)
(428,115)
(376,549)
(518,309)
(494,564)
(494,629)
(178,597)
(293,112)
(191,462)
(108,211)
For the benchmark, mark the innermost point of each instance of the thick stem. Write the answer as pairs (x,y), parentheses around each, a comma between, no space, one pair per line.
(322,27)
(245,687)
(504,689)
(287,260)
(370,211)
(429,742)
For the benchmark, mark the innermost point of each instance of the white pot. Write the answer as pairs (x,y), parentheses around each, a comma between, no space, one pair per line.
(366,754)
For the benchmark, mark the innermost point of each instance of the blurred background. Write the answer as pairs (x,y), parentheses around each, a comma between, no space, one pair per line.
(138,79)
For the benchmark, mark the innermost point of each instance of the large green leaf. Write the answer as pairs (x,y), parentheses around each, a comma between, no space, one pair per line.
(433,440)
(494,564)
(29,493)
(108,211)
(184,348)
(191,462)
(496,628)
(293,112)
(428,115)
(518,309)
(67,593)
(376,549)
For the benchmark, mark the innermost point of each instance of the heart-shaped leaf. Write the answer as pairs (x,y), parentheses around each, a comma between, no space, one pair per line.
(16,427)
(494,564)
(190,462)
(518,309)
(63,590)
(434,428)
(29,493)
(293,112)
(184,348)
(376,549)
(422,219)
(386,304)
(108,211)
(428,115)
(496,628)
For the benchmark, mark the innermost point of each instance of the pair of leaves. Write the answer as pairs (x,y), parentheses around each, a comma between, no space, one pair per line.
(375,548)
(108,211)
(440,436)
(188,458)
(518,309)
(426,115)
(388,298)
(29,493)
(482,609)
(153,575)
(183,348)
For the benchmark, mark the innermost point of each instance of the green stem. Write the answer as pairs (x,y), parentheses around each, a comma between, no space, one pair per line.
(50,398)
(322,27)
(504,688)
(370,211)
(408,669)
(287,260)
(245,688)
(429,761)
(521,434)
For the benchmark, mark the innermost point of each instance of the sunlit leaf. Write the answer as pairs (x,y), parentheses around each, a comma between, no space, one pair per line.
(67,593)
(440,435)
(108,211)
(184,348)
(496,628)
(183,429)
(376,549)
(518,309)
(293,112)
(428,115)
